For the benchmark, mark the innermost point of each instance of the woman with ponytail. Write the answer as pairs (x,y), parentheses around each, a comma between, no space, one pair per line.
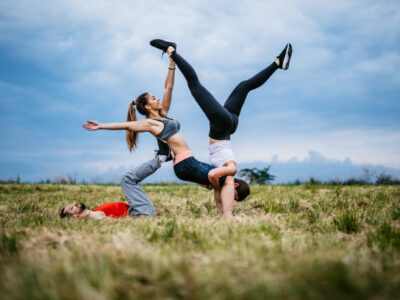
(131,136)
(166,130)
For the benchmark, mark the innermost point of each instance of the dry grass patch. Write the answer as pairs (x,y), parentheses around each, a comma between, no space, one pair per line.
(284,242)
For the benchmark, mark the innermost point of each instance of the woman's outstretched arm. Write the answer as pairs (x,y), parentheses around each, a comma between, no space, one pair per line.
(169,86)
(139,126)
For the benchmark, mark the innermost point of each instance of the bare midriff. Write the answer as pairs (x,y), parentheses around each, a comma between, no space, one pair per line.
(178,144)
(212,141)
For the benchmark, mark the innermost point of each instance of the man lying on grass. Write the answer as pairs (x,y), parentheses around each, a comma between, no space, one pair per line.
(138,202)
(106,210)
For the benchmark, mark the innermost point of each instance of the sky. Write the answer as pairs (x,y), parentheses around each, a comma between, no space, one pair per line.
(65,62)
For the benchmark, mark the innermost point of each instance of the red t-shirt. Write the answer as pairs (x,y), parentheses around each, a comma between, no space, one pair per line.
(114,209)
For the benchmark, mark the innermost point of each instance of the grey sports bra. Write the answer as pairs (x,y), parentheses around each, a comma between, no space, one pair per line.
(171,127)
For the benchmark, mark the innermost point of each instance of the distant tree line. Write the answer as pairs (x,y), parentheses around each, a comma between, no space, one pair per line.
(381,179)
(252,175)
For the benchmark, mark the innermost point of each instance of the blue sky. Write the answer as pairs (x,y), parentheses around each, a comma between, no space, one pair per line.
(65,62)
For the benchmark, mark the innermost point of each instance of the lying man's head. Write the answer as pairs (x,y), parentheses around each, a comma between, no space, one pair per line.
(74,210)
(242,189)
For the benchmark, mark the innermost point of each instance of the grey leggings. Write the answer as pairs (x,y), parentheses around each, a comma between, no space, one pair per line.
(140,204)
(223,119)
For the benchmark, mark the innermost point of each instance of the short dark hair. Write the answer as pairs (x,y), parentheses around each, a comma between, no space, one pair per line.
(242,189)
(63,214)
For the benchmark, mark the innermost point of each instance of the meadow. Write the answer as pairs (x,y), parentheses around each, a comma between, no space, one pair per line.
(286,242)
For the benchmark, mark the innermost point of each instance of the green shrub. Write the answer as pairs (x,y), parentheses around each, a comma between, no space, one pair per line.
(294,205)
(396,212)
(170,228)
(388,237)
(257,176)
(9,243)
(347,222)
(384,179)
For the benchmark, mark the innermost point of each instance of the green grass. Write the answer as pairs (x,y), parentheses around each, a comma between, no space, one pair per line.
(285,242)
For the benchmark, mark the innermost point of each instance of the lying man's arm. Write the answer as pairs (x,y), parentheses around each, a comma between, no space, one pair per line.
(97,215)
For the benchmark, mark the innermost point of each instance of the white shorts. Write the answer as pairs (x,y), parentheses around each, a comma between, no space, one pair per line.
(220,153)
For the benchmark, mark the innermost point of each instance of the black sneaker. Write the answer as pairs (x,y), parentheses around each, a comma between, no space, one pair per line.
(164,149)
(162,45)
(284,57)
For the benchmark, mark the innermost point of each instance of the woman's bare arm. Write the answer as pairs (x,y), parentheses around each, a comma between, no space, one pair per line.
(138,126)
(169,86)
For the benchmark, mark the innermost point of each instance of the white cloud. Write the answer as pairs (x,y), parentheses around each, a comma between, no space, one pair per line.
(360,145)
(217,37)
(386,64)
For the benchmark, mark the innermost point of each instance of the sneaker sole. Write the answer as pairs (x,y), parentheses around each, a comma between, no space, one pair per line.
(285,64)
(161,44)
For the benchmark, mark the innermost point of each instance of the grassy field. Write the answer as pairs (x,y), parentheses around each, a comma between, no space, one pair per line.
(307,241)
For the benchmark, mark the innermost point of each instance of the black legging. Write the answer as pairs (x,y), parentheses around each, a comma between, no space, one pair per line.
(223,119)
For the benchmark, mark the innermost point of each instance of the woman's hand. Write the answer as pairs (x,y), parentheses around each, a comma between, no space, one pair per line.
(214,177)
(91,125)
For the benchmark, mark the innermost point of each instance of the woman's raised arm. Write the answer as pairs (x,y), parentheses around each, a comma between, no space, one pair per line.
(169,85)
